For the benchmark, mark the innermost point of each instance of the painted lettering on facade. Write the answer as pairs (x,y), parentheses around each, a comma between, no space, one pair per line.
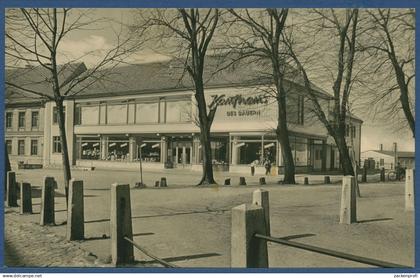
(234,101)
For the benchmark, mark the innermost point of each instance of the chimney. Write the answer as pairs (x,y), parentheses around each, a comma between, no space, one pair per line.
(381,147)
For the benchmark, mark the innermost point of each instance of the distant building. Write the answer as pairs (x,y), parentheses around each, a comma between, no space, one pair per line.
(388,158)
(151,107)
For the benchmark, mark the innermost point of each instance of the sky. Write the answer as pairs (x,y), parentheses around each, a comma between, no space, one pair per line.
(100,37)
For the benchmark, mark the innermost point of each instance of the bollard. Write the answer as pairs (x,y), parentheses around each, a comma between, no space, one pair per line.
(47,202)
(306,181)
(11,199)
(260,197)
(348,201)
(409,189)
(246,250)
(25,198)
(156,183)
(227,181)
(75,211)
(262,181)
(364,175)
(163,182)
(242,181)
(382,175)
(121,250)
(327,180)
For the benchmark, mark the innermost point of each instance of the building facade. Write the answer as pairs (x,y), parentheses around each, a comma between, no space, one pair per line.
(150,119)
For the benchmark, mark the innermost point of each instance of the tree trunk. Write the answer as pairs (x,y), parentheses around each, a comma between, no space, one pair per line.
(345,159)
(282,133)
(7,168)
(64,147)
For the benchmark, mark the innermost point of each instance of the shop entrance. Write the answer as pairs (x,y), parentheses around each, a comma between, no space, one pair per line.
(181,154)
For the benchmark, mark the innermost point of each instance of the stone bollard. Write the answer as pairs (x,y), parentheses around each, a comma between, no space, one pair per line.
(11,199)
(75,211)
(409,189)
(262,181)
(242,181)
(306,181)
(327,180)
(47,202)
(227,181)
(156,183)
(348,201)
(122,251)
(260,197)
(382,175)
(163,182)
(25,198)
(246,250)
(364,175)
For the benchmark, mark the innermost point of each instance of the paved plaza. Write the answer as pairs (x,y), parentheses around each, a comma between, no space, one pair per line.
(190,226)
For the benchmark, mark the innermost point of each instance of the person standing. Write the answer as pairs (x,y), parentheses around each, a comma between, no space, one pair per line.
(253,164)
(267,166)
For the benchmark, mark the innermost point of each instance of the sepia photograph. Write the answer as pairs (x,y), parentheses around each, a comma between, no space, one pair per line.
(221,138)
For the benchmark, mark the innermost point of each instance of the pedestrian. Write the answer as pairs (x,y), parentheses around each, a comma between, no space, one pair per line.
(253,164)
(267,166)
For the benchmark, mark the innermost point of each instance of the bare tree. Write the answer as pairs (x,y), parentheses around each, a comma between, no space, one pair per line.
(189,33)
(34,37)
(344,28)
(258,35)
(389,43)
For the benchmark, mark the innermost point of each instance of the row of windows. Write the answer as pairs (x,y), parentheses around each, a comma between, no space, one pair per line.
(22,119)
(21,147)
(130,112)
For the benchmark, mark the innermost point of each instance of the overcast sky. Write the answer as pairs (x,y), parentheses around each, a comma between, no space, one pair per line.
(101,36)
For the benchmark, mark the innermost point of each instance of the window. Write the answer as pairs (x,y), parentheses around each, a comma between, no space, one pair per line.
(381,162)
(117,114)
(35,119)
(77,114)
(118,149)
(9,119)
(56,144)
(21,147)
(9,146)
(34,147)
(295,109)
(150,151)
(55,114)
(147,112)
(178,111)
(90,148)
(21,119)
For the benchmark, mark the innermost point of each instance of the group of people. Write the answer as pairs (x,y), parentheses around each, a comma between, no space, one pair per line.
(267,165)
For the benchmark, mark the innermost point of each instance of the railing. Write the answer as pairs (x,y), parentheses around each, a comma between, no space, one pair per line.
(329,252)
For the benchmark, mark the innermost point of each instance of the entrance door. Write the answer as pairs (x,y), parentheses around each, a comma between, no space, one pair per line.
(181,153)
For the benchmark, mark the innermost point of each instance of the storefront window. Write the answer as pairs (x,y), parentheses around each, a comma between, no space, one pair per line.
(118,149)
(299,148)
(117,114)
(150,151)
(219,149)
(147,112)
(90,148)
(178,111)
(249,152)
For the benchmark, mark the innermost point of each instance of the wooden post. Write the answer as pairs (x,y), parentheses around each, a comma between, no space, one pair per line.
(382,175)
(25,198)
(306,181)
(242,181)
(348,201)
(327,180)
(75,211)
(260,197)
(262,181)
(409,189)
(163,182)
(121,250)
(246,250)
(227,181)
(364,175)
(11,199)
(47,202)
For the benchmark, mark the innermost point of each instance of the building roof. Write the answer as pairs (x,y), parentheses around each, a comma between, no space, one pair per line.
(147,78)
(399,153)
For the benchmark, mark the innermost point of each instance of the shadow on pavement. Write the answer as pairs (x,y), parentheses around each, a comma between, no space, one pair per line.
(375,220)
(183,258)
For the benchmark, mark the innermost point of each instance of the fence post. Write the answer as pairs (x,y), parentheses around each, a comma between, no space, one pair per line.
(11,199)
(121,250)
(327,180)
(306,181)
(47,202)
(382,175)
(348,201)
(409,189)
(246,250)
(260,197)
(25,198)
(364,176)
(75,211)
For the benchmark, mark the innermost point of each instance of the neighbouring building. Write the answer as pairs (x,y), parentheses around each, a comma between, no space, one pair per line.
(148,112)
(387,159)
